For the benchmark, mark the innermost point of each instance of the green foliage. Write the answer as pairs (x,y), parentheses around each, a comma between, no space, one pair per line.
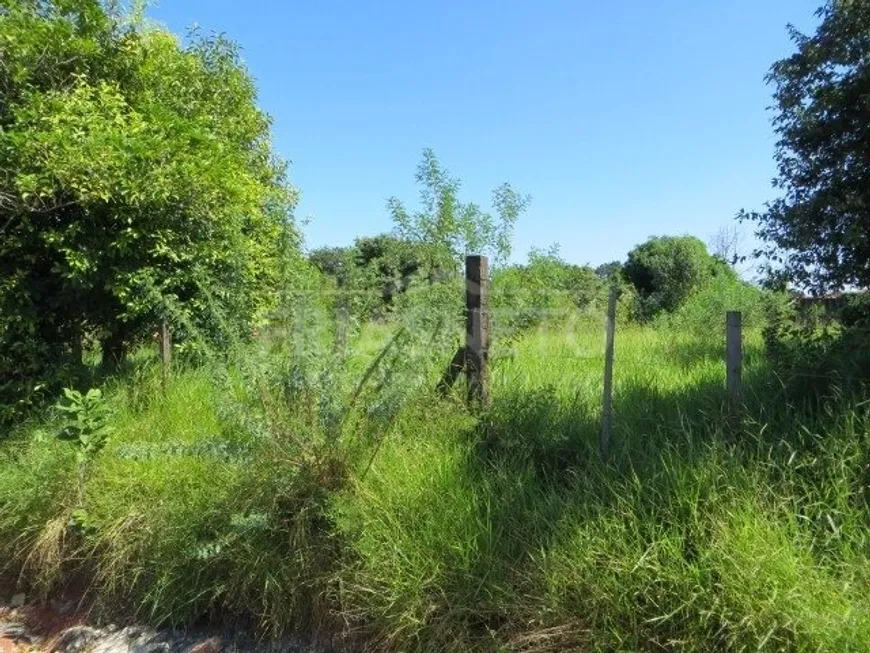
(353,290)
(449,229)
(704,311)
(334,262)
(666,270)
(318,491)
(392,261)
(545,289)
(372,273)
(608,271)
(86,424)
(135,172)
(428,245)
(817,357)
(816,232)
(310,481)
(513,536)
(855,311)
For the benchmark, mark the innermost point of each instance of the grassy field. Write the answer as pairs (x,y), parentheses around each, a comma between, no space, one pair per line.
(286,494)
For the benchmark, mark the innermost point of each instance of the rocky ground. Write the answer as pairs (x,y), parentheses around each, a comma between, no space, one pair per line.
(62,626)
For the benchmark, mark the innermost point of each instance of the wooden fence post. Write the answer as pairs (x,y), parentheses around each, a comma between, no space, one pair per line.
(734,365)
(477,328)
(607,403)
(165,349)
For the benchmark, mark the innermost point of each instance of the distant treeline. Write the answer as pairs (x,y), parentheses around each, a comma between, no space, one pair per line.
(657,278)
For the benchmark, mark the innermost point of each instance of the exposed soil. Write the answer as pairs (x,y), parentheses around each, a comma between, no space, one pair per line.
(64,624)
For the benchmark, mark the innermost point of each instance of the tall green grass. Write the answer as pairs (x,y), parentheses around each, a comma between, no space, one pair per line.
(512,534)
(319,492)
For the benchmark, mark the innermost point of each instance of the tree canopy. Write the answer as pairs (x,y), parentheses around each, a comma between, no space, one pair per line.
(135,173)
(448,228)
(428,244)
(666,270)
(817,234)
(380,267)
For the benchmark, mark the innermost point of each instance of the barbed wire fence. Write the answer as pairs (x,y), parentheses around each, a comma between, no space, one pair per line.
(490,331)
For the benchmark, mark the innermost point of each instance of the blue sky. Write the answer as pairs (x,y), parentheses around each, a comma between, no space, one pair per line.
(622,120)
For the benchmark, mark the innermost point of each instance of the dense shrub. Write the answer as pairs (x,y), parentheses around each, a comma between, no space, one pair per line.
(816,357)
(666,270)
(136,172)
(544,289)
(705,309)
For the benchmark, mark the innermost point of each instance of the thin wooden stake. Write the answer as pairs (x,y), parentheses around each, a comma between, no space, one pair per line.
(734,366)
(607,403)
(477,328)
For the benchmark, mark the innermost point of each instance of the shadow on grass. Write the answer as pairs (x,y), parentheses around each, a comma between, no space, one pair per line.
(537,455)
(538,427)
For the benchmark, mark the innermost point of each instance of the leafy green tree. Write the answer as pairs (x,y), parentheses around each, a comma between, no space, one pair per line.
(609,270)
(582,284)
(426,248)
(817,234)
(334,262)
(524,295)
(445,228)
(666,270)
(393,262)
(380,266)
(135,174)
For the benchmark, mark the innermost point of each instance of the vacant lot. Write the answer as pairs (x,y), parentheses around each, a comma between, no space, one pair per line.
(327,494)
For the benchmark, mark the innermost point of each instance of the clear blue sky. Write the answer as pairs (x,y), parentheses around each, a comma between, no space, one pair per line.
(622,119)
